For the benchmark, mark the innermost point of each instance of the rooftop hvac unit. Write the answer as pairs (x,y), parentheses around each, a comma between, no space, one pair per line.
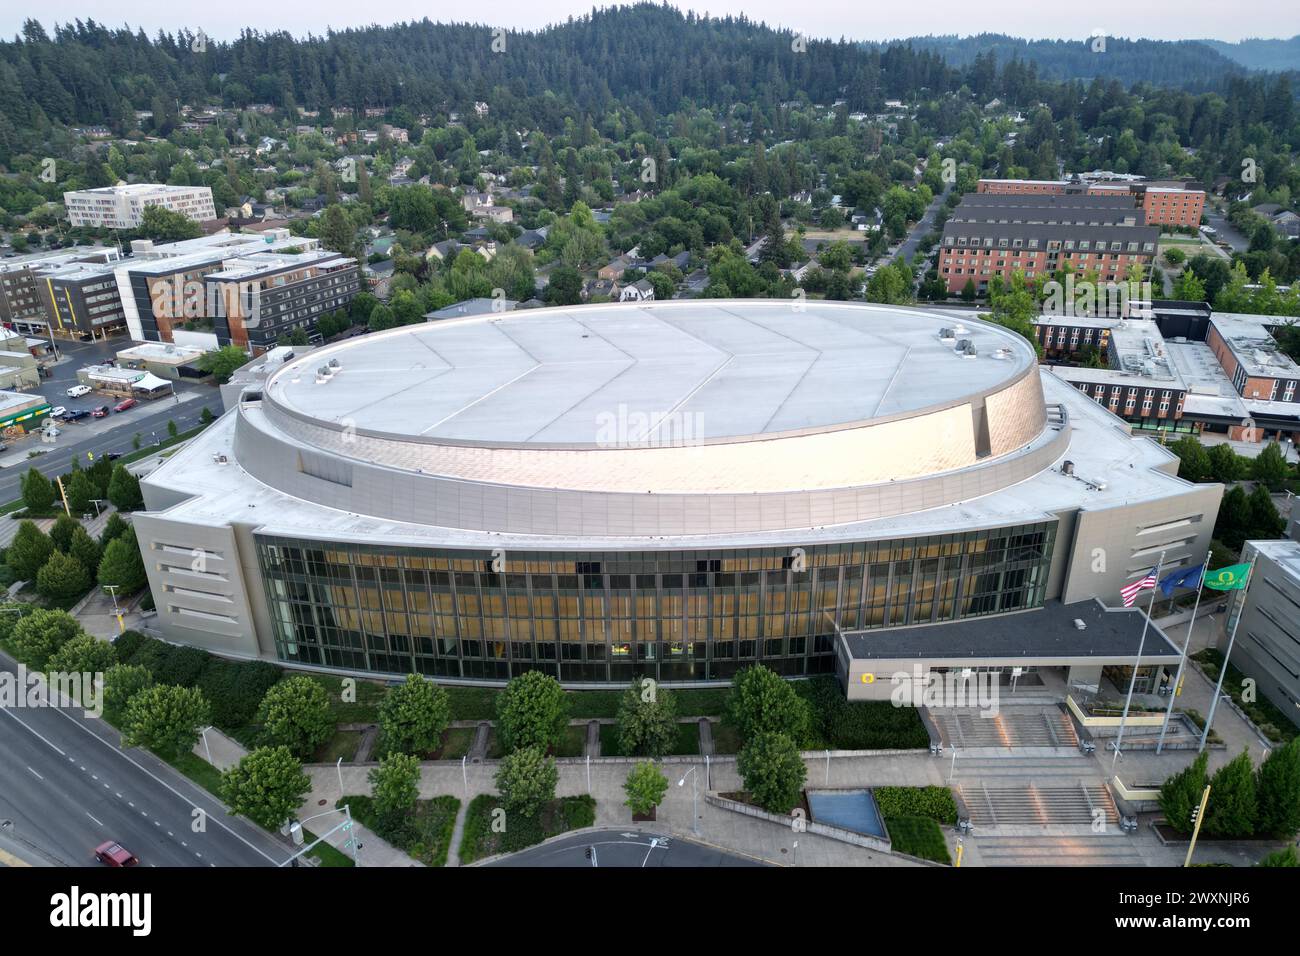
(1067,467)
(334,364)
(963,344)
(969,351)
(947,335)
(220,459)
(1080,624)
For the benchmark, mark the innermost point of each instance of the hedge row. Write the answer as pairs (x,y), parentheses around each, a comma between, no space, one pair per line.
(860,725)
(521,832)
(936,803)
(234,689)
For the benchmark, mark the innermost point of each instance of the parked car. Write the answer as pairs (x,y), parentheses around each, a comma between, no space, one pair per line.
(76,415)
(78,390)
(99,412)
(124,404)
(58,411)
(114,854)
(111,456)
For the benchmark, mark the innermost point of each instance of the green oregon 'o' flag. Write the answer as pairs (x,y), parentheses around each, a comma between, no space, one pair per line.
(1231,578)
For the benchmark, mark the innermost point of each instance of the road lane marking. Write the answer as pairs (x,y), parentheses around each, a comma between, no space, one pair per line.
(274,860)
(89,814)
(35,774)
(4,710)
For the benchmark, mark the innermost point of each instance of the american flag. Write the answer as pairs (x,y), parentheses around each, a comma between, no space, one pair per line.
(1130,592)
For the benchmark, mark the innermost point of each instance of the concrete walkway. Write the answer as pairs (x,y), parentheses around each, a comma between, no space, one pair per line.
(721,828)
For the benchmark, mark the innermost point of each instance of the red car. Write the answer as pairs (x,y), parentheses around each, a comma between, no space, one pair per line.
(114,854)
(124,404)
(100,412)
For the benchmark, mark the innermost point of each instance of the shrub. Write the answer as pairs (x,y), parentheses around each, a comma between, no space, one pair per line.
(1232,811)
(532,712)
(1278,791)
(526,780)
(395,788)
(773,771)
(645,788)
(29,550)
(62,578)
(936,803)
(41,633)
(647,720)
(413,716)
(236,689)
(122,682)
(267,786)
(763,702)
(295,713)
(126,645)
(122,564)
(181,665)
(1181,794)
(82,655)
(164,718)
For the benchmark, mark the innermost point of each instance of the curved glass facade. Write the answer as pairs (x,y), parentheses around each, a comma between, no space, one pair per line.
(611,616)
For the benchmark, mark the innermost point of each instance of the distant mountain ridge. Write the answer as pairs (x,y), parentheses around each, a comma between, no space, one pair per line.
(1188,64)
(1257,54)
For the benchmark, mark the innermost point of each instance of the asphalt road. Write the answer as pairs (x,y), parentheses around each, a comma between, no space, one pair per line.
(624,848)
(923,226)
(149,420)
(66,787)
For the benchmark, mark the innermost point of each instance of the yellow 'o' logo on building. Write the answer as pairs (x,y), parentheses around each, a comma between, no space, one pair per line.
(868,678)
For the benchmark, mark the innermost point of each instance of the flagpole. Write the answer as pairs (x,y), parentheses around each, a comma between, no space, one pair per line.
(1182,661)
(1128,701)
(1223,670)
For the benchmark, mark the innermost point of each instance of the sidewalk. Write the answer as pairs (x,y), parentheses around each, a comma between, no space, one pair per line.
(722,828)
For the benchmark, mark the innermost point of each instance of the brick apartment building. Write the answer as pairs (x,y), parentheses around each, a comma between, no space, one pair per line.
(1164,202)
(1000,234)
(1180,367)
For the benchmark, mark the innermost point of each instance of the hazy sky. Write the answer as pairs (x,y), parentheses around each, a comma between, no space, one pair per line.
(855,19)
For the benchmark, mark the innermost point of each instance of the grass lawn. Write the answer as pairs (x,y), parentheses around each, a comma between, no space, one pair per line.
(426,834)
(363,710)
(520,832)
(574,743)
(918,836)
(456,742)
(686,744)
(343,744)
(726,739)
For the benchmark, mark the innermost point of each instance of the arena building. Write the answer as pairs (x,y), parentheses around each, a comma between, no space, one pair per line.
(673,489)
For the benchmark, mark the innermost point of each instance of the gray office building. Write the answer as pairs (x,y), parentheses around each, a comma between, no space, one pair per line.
(1268,634)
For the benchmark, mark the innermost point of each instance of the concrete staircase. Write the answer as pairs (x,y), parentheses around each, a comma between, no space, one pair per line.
(999,804)
(1090,849)
(1010,728)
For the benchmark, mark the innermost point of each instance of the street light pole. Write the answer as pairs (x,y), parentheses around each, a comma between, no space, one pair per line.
(695,798)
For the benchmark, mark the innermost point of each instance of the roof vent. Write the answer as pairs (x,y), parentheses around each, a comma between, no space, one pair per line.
(1080,624)
(1067,467)
(220,460)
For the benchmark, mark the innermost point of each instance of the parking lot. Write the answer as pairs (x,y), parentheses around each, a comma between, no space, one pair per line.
(112,434)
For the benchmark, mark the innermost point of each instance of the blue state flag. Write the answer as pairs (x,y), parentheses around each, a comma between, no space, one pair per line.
(1182,578)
